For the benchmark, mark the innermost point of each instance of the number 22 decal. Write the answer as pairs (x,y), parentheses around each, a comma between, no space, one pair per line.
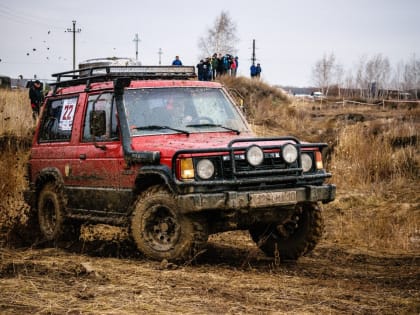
(68,112)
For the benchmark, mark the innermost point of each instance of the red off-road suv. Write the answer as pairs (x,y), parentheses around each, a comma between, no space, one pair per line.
(173,159)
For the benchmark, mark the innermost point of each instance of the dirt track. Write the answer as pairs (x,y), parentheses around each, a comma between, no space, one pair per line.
(231,277)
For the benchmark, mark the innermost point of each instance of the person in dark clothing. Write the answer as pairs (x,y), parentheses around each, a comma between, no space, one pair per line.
(214,66)
(36,97)
(258,71)
(220,66)
(200,70)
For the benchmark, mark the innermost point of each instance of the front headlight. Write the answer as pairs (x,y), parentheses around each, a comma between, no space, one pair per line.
(254,155)
(205,169)
(306,162)
(289,153)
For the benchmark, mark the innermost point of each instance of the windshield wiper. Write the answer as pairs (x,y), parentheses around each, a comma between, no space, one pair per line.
(214,125)
(157,127)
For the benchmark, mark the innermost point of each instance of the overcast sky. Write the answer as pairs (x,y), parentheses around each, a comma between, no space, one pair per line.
(291,35)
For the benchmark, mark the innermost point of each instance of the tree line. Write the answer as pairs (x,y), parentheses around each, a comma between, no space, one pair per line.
(372,78)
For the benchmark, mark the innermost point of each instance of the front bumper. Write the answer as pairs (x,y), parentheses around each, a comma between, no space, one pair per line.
(232,200)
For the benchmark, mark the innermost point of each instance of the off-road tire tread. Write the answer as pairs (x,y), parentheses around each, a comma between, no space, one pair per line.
(292,249)
(198,236)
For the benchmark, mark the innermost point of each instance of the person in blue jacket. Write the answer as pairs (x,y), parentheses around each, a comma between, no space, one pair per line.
(177,62)
(253,70)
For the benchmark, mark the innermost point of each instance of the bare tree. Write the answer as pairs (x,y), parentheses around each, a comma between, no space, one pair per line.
(377,73)
(360,80)
(221,38)
(411,75)
(323,72)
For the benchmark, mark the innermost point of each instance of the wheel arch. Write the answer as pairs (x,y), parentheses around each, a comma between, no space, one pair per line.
(48,175)
(149,176)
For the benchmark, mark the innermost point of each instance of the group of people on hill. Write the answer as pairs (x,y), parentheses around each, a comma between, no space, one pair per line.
(217,65)
(210,68)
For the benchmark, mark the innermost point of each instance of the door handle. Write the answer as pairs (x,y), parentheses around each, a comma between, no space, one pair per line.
(82,156)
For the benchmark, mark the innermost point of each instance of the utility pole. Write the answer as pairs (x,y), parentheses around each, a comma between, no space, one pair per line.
(160,53)
(253,53)
(74,31)
(136,40)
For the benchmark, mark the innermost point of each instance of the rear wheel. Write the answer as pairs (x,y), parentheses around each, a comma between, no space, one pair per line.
(51,215)
(51,205)
(294,238)
(160,231)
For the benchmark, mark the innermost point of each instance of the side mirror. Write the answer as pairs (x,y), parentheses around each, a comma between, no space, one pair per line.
(97,121)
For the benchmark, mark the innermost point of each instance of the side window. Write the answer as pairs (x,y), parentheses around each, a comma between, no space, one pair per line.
(57,120)
(104,101)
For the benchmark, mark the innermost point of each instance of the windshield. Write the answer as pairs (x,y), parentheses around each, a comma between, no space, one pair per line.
(175,110)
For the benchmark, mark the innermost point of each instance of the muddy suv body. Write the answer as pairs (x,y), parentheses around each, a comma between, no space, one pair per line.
(174,160)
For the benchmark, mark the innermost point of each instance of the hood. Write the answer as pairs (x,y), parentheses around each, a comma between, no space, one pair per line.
(168,144)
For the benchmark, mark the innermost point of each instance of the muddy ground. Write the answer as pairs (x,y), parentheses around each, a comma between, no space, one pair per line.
(231,277)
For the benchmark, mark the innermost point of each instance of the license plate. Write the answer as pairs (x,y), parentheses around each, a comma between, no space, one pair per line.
(273,198)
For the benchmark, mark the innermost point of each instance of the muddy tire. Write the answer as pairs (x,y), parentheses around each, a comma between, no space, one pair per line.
(293,239)
(51,206)
(160,231)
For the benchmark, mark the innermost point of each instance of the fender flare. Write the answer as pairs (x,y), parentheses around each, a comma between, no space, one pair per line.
(155,174)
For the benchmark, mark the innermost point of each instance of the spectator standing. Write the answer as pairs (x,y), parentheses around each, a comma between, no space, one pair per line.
(253,71)
(237,64)
(233,67)
(220,67)
(200,70)
(177,61)
(207,69)
(258,71)
(214,65)
(36,97)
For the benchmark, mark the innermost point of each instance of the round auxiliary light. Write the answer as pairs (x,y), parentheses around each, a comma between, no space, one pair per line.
(254,155)
(205,169)
(289,153)
(306,162)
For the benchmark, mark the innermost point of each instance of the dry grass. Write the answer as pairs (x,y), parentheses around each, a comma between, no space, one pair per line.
(15,113)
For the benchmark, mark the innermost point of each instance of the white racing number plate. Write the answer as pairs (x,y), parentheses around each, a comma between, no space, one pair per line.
(273,198)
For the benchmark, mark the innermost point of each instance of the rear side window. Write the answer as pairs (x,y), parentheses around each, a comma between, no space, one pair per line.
(57,120)
(103,101)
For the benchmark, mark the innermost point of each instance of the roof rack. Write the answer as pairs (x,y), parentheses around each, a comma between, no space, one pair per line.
(107,73)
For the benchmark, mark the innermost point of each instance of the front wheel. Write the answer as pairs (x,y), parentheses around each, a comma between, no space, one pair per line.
(294,238)
(160,231)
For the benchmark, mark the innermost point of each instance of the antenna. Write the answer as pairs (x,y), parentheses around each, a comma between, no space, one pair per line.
(74,31)
(136,40)
(160,53)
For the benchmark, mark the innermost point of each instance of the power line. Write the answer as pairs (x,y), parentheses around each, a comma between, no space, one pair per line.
(27,19)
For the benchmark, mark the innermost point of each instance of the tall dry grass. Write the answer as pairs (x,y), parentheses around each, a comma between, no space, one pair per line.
(16,127)
(15,113)
(363,157)
(376,169)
